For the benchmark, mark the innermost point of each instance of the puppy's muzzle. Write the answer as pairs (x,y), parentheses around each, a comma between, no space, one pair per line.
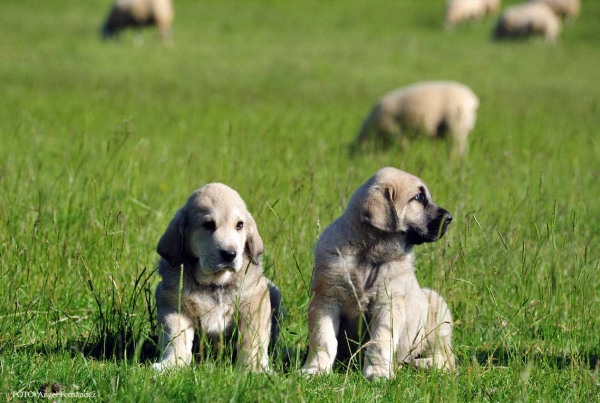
(447,218)
(440,225)
(228,256)
(434,228)
(227,260)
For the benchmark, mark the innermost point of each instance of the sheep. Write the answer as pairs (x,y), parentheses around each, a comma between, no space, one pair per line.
(465,10)
(433,107)
(563,8)
(528,19)
(138,13)
(491,6)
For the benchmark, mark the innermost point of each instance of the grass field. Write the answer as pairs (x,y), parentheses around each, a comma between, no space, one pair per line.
(102,142)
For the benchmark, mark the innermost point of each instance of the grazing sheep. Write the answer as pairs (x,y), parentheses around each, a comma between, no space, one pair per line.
(563,8)
(466,10)
(434,107)
(138,13)
(528,19)
(491,6)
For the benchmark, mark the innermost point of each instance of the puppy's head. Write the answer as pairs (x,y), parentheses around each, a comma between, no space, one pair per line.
(215,228)
(394,201)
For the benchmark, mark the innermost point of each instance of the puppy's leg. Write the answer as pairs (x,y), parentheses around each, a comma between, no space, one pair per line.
(255,331)
(439,356)
(438,352)
(323,327)
(386,324)
(175,338)
(413,336)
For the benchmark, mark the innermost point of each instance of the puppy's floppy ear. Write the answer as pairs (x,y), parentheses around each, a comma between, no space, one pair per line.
(254,244)
(171,245)
(378,210)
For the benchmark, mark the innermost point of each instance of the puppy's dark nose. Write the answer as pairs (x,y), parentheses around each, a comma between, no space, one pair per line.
(447,218)
(228,255)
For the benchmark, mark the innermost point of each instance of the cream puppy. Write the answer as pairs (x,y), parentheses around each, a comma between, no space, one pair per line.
(364,278)
(212,280)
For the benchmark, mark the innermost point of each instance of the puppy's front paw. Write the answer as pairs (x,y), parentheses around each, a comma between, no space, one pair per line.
(162,366)
(431,363)
(423,363)
(258,369)
(377,372)
(158,367)
(310,371)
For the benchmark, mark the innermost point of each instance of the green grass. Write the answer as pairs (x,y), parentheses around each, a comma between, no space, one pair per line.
(102,142)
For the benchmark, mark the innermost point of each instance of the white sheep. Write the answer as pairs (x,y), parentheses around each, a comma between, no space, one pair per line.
(433,107)
(138,13)
(563,8)
(467,10)
(491,6)
(528,19)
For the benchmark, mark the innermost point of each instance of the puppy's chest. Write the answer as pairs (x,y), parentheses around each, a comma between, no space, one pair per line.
(211,311)
(372,284)
(365,285)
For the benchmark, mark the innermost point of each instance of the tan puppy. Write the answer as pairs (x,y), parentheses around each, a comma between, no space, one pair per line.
(434,107)
(139,13)
(221,284)
(364,272)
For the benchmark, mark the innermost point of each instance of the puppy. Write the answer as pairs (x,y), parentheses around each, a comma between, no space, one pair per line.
(364,278)
(212,280)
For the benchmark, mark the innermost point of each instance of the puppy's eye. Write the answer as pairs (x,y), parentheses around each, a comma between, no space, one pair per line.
(420,198)
(239,225)
(209,226)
